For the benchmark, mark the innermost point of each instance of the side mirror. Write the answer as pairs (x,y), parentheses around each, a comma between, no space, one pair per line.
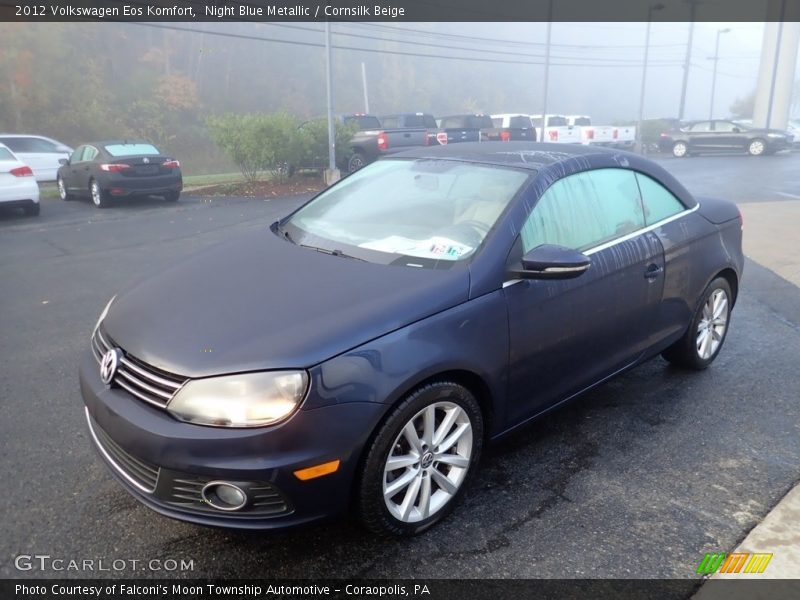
(63,161)
(551,262)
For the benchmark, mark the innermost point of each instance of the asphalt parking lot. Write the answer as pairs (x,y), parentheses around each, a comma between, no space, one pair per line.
(637,479)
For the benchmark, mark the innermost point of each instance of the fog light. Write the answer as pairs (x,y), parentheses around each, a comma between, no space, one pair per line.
(224,496)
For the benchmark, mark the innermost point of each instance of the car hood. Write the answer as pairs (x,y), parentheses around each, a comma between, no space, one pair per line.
(260,302)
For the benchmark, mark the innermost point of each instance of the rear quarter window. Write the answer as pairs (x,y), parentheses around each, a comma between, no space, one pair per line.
(659,203)
(5,154)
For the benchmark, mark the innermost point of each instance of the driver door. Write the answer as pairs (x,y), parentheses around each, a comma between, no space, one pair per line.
(566,335)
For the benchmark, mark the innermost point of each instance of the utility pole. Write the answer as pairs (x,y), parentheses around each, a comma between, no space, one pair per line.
(714,76)
(364,83)
(650,10)
(332,175)
(688,62)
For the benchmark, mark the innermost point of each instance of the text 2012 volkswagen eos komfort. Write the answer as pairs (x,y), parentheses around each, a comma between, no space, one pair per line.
(357,354)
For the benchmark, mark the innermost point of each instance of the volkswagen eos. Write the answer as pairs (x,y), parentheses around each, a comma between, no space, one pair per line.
(357,354)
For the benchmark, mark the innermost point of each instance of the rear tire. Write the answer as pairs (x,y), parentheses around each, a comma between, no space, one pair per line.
(356,162)
(703,340)
(172,196)
(32,210)
(98,195)
(680,149)
(434,439)
(62,191)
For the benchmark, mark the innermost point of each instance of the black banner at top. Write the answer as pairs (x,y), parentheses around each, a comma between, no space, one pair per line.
(400,10)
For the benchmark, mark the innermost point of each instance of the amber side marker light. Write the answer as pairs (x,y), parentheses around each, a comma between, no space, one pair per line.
(318,470)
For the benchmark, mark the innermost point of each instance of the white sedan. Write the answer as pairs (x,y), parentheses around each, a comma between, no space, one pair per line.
(38,152)
(18,186)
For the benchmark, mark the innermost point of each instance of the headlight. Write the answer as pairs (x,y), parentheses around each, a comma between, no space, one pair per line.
(247,400)
(103,314)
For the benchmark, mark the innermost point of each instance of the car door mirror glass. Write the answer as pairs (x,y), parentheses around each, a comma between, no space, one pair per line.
(549,261)
(63,161)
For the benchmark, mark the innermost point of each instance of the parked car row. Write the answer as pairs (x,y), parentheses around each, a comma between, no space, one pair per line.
(387,134)
(100,171)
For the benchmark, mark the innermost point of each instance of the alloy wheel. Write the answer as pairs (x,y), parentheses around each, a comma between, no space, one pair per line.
(62,189)
(96,194)
(712,325)
(679,149)
(756,147)
(428,462)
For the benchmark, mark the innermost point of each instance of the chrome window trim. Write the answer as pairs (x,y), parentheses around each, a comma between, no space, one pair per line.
(638,232)
(625,237)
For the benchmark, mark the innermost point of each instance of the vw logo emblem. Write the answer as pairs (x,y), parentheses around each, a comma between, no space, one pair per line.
(145,160)
(109,364)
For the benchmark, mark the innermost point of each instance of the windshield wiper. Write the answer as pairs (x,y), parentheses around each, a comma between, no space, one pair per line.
(334,252)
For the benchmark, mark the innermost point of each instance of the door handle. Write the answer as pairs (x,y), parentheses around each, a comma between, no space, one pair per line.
(653,271)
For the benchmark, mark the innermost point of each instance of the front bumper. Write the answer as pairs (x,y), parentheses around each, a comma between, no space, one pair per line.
(164,462)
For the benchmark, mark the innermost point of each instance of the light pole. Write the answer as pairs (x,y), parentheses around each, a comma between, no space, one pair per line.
(650,9)
(714,76)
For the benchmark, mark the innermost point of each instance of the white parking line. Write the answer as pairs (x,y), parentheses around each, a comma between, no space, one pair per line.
(788,195)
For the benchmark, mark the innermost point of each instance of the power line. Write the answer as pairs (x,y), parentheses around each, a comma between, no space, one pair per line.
(449,46)
(500,41)
(372,50)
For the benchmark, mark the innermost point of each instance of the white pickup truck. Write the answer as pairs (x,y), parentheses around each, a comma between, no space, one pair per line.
(603,135)
(557,130)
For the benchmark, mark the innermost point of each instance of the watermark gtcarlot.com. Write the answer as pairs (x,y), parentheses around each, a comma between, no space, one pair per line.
(48,563)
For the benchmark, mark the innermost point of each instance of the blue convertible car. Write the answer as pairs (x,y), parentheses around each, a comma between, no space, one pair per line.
(358,353)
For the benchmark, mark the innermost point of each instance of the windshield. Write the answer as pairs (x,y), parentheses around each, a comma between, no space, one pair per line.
(421,213)
(131,149)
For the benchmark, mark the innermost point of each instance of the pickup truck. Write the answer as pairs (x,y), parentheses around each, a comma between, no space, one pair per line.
(465,128)
(556,129)
(368,143)
(374,140)
(603,135)
(415,121)
(510,127)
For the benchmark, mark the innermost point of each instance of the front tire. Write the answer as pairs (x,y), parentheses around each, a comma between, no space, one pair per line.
(418,464)
(98,195)
(680,149)
(702,342)
(756,147)
(32,210)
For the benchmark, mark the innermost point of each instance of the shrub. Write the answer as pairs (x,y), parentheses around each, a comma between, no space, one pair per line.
(257,142)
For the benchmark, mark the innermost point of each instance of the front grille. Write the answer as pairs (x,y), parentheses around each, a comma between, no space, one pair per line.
(146,382)
(140,473)
(184,491)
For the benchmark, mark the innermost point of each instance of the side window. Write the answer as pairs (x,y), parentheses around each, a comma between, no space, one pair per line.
(705,126)
(390,122)
(89,153)
(584,210)
(658,201)
(77,154)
